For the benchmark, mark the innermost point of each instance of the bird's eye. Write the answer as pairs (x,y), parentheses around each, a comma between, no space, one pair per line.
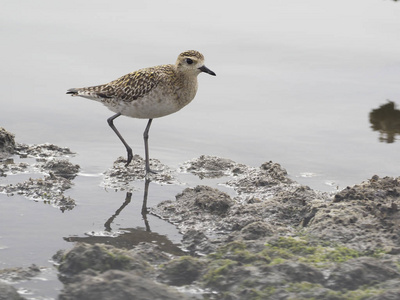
(189,61)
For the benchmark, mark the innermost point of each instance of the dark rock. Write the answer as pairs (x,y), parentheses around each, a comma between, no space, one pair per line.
(361,271)
(298,272)
(194,208)
(63,168)
(9,167)
(48,189)
(208,199)
(104,272)
(42,150)
(276,240)
(364,216)
(195,241)
(118,285)
(151,253)
(275,170)
(202,210)
(120,177)
(98,257)
(213,167)
(375,189)
(181,271)
(8,292)
(387,295)
(7,143)
(256,230)
(267,179)
(19,273)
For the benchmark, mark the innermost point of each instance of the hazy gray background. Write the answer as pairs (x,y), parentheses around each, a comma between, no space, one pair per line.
(296,81)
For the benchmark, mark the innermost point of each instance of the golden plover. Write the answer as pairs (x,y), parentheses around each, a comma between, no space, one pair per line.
(149,93)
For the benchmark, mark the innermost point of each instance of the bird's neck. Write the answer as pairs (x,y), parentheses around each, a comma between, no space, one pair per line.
(189,90)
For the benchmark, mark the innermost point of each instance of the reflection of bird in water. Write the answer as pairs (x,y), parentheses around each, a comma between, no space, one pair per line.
(149,93)
(131,236)
(128,197)
(386,120)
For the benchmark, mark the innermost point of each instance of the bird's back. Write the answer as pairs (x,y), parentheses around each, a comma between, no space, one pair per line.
(129,87)
(147,93)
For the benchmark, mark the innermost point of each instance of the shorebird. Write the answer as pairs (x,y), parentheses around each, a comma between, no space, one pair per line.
(149,93)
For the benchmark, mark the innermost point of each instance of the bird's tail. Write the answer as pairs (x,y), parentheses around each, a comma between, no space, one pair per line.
(92,92)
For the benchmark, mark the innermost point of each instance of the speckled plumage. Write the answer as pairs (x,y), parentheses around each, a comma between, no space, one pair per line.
(149,93)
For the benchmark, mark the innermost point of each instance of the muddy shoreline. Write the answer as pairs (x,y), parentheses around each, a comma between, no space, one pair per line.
(274,239)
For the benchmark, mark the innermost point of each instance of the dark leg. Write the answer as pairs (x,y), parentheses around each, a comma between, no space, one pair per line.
(146,146)
(107,225)
(128,149)
(144,205)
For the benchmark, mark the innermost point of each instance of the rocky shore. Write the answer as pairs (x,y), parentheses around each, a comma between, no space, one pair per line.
(271,238)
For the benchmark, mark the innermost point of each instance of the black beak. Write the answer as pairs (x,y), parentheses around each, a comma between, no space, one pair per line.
(207,70)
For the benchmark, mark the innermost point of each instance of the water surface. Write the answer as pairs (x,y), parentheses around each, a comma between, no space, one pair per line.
(296,82)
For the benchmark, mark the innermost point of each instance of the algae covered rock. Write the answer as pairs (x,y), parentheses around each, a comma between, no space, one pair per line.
(181,271)
(102,271)
(118,285)
(7,143)
(98,257)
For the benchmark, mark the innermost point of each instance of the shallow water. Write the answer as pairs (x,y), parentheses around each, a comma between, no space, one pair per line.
(295,84)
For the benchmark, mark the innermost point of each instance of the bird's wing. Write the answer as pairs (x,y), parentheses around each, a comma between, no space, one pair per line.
(131,86)
(126,88)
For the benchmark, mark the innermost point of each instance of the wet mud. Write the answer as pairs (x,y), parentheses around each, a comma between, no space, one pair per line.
(270,238)
(48,161)
(121,177)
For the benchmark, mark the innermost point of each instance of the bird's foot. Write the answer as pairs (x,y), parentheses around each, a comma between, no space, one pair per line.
(129,159)
(150,171)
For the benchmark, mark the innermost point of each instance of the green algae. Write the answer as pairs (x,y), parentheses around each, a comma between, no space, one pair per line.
(182,270)
(289,248)
(238,257)
(300,249)
(238,251)
(100,258)
(217,272)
